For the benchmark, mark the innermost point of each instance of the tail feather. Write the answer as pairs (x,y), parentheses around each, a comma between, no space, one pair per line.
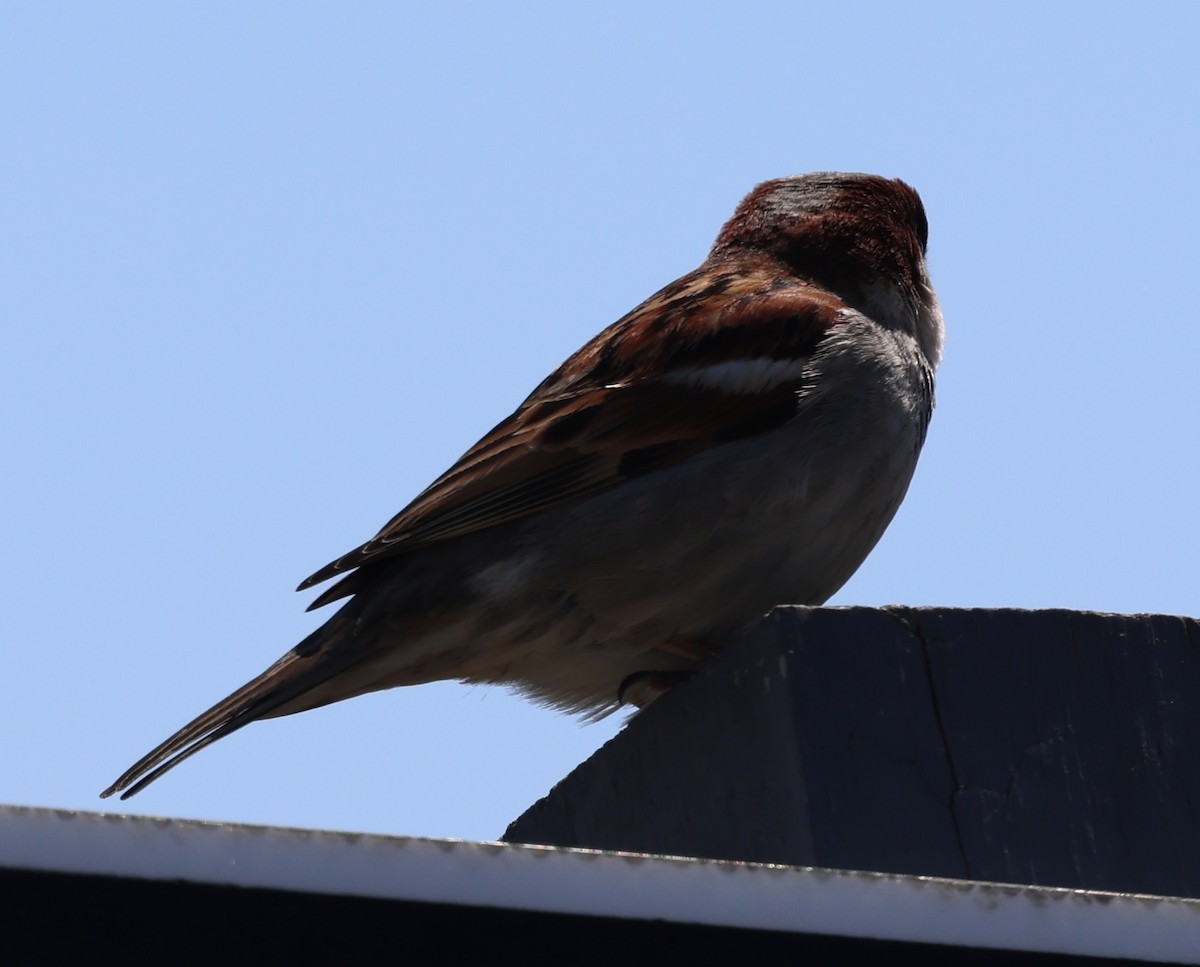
(302,669)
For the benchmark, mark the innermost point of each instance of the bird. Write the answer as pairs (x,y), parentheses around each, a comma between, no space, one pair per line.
(739,440)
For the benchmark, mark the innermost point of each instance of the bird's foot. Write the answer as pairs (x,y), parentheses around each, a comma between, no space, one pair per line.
(693,649)
(642,688)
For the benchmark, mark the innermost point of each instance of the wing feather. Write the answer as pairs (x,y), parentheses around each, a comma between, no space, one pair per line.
(676,385)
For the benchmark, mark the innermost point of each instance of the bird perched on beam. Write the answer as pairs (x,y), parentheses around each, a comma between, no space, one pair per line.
(739,440)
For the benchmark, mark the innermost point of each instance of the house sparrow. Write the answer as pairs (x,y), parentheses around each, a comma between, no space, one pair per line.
(741,439)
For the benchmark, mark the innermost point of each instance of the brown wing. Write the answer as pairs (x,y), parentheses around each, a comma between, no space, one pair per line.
(707,360)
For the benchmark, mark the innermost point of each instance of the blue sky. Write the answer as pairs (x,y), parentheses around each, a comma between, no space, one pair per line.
(267,269)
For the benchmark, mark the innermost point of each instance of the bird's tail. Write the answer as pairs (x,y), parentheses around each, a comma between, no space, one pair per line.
(275,692)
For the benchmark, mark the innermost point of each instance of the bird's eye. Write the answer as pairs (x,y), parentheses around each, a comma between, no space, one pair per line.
(921,224)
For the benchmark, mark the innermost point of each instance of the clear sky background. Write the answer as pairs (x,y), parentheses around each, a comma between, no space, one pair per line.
(267,269)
